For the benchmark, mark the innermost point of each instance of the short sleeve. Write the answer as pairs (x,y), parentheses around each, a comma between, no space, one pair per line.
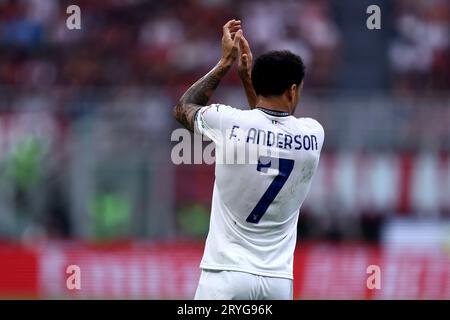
(320,129)
(320,132)
(213,120)
(315,127)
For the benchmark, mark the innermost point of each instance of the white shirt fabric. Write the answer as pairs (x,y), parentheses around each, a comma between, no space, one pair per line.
(257,196)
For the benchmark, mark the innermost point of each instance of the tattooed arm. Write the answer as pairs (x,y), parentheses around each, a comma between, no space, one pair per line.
(200,92)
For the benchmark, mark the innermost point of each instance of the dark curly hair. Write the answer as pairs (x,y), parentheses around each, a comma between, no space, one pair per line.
(276,71)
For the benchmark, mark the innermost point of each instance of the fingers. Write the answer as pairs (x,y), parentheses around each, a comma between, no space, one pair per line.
(244,59)
(237,38)
(231,27)
(226,29)
(244,42)
(245,47)
(229,24)
(235,27)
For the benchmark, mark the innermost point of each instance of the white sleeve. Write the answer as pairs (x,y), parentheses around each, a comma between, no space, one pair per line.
(316,127)
(213,120)
(320,132)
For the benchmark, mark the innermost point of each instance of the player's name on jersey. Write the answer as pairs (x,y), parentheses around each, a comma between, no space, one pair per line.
(275,139)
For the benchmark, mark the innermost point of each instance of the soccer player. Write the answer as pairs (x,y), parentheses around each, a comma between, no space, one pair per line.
(255,206)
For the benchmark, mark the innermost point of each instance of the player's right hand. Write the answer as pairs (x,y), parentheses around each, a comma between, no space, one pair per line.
(232,34)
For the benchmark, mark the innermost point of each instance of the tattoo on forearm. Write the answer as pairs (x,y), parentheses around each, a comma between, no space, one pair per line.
(201,91)
(185,114)
(197,96)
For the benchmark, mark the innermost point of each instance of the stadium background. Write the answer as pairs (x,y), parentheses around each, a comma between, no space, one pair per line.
(85,171)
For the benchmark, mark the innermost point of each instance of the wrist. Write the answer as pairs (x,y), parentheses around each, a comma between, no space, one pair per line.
(225,62)
(244,75)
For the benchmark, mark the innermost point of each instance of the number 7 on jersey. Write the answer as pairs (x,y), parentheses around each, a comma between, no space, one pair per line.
(285,167)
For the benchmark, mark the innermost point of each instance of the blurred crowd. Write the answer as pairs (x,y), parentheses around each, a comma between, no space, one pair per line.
(153,42)
(420,49)
(173,42)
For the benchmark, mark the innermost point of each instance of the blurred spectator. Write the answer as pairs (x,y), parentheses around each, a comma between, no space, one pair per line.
(124,43)
(420,51)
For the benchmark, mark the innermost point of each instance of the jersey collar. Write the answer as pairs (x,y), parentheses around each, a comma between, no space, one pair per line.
(273,112)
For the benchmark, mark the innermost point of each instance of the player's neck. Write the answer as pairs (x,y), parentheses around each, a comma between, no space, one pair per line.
(274,104)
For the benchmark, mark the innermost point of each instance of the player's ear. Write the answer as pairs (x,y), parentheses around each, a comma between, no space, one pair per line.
(299,90)
(292,92)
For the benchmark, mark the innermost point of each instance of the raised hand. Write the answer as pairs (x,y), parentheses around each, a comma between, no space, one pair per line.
(245,58)
(232,34)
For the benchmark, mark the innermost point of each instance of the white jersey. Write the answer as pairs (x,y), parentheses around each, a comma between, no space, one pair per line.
(256,203)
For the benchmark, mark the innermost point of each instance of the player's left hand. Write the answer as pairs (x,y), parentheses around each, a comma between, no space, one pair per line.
(245,58)
(232,35)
